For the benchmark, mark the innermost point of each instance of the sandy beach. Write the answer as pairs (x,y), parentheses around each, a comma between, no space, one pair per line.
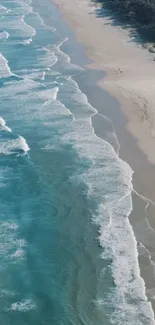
(130,71)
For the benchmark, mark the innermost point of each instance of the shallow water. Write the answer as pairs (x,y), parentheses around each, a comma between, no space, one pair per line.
(67,251)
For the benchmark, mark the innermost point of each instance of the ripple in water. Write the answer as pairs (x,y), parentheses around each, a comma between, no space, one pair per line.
(70,182)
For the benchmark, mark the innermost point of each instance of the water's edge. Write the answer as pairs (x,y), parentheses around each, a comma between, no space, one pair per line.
(68,251)
(89,84)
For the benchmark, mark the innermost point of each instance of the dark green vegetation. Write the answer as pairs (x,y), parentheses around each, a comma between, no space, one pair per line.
(141,13)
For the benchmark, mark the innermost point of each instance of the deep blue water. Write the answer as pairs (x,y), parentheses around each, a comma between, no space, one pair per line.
(67,251)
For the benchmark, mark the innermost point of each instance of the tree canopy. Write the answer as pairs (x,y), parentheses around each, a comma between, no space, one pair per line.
(141,12)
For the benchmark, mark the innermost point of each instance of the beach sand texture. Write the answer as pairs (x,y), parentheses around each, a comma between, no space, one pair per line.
(130,77)
(130,70)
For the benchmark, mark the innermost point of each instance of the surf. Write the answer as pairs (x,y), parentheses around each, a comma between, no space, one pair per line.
(56,167)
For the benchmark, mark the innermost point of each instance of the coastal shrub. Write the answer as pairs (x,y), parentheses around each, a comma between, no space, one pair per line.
(139,12)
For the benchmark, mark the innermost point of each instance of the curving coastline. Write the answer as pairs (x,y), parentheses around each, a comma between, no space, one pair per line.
(130,71)
(68,248)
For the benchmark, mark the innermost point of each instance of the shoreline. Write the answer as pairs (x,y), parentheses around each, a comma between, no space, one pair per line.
(133,122)
(139,223)
(136,117)
(124,78)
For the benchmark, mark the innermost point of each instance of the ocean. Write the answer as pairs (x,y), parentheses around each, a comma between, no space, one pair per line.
(68,254)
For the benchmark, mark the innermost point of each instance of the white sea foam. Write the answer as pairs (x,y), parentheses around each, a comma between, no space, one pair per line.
(3,9)
(31,92)
(47,59)
(18,254)
(3,125)
(18,8)
(4,35)
(28,90)
(27,41)
(13,146)
(22,88)
(12,248)
(64,58)
(5,292)
(4,67)
(50,95)
(28,27)
(8,225)
(22,144)
(8,240)
(67,57)
(109,181)
(33,74)
(142,250)
(23,306)
(17,24)
(43,75)
(42,23)
(61,119)
(128,296)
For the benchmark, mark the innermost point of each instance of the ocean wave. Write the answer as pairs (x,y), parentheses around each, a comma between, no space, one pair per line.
(47,58)
(4,35)
(3,9)
(23,88)
(8,225)
(18,7)
(18,20)
(14,146)
(19,253)
(5,292)
(50,95)
(12,248)
(35,19)
(4,67)
(109,181)
(33,74)
(27,41)
(27,90)
(16,26)
(51,28)
(65,58)
(43,75)
(28,27)
(119,244)
(23,306)
(8,239)
(3,125)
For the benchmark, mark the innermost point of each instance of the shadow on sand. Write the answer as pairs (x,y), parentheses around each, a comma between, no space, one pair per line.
(137,32)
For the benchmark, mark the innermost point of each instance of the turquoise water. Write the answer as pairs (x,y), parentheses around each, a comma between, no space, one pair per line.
(67,251)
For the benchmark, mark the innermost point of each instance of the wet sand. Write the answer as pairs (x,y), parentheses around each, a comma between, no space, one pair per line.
(130,72)
(142,217)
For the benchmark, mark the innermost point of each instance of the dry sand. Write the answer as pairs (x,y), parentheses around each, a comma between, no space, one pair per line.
(130,69)
(130,77)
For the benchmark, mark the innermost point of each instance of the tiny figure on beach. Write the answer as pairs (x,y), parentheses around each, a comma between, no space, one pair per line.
(120,71)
